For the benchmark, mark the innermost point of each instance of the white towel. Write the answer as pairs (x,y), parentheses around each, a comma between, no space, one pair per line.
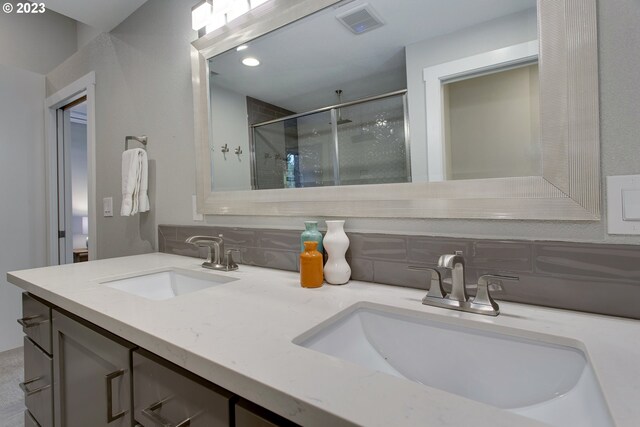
(134,182)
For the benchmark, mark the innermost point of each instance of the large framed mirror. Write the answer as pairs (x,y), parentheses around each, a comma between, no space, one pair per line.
(377,108)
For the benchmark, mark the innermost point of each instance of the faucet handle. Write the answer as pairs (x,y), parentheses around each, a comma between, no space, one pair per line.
(229,262)
(435,282)
(483,296)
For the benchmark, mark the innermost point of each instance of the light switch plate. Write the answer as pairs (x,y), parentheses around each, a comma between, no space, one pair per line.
(631,205)
(623,204)
(194,207)
(107,206)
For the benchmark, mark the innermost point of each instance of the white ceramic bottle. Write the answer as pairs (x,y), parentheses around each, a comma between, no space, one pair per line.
(336,243)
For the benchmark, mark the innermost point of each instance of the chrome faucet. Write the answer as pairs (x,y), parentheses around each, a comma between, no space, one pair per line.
(483,303)
(215,249)
(455,263)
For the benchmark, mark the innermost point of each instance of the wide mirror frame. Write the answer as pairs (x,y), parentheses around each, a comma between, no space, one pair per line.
(569,188)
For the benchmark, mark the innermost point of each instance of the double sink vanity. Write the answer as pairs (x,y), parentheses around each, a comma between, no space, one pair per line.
(252,348)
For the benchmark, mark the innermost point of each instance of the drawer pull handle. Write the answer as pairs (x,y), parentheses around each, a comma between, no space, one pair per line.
(28,322)
(111,417)
(161,421)
(28,392)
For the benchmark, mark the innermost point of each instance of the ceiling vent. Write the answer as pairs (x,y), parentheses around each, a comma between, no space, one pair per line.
(360,19)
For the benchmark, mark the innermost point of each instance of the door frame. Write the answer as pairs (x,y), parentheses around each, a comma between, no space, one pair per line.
(84,86)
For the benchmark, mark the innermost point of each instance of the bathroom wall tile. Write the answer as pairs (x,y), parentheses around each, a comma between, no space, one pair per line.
(161,239)
(281,260)
(595,278)
(398,273)
(288,240)
(232,236)
(502,256)
(378,246)
(580,295)
(167,232)
(185,232)
(184,249)
(620,263)
(427,250)
(361,269)
(235,237)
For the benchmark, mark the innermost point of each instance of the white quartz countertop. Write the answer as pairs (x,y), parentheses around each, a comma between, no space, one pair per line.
(239,335)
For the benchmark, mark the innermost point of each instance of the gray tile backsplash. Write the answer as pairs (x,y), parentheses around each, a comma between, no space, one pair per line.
(496,256)
(427,250)
(378,246)
(596,278)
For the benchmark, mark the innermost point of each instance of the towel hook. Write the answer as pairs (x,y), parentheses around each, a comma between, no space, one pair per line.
(141,139)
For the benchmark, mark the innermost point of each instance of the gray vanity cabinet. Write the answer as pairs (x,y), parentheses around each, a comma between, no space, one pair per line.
(92,375)
(167,395)
(37,386)
(80,375)
(38,366)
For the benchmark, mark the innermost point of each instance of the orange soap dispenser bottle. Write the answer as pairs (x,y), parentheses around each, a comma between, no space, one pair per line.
(311,266)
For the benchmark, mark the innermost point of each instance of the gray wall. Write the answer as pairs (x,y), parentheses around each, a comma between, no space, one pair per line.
(144,86)
(230,172)
(30,46)
(21,189)
(36,42)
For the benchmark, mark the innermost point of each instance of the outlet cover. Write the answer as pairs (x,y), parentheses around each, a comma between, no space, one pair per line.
(107,206)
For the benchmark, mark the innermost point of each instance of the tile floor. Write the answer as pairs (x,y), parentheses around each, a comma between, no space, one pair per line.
(11,397)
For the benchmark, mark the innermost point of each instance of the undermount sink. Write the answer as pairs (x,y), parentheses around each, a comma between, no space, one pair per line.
(541,377)
(167,284)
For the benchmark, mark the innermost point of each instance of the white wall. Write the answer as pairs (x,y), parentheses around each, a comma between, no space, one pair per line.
(506,31)
(144,85)
(229,121)
(21,189)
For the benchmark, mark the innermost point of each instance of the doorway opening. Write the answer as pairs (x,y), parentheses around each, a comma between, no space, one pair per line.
(70,147)
(74,151)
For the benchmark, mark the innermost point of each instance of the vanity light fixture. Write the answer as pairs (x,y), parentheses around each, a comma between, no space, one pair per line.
(242,47)
(216,22)
(256,3)
(236,8)
(214,14)
(201,14)
(251,62)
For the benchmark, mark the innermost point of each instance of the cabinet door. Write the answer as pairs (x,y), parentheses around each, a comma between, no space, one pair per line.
(92,376)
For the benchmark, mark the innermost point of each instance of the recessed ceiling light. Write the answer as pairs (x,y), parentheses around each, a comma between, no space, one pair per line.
(242,47)
(251,62)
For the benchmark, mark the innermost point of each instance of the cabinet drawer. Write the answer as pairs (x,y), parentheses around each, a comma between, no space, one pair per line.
(165,394)
(249,414)
(37,385)
(29,421)
(36,321)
